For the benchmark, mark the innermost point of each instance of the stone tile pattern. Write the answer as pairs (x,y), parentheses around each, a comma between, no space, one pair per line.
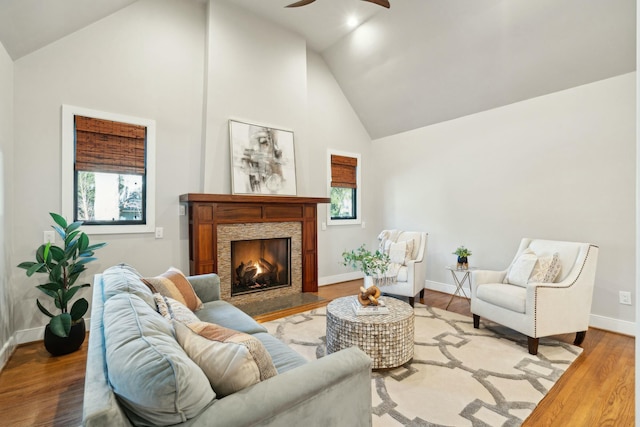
(386,338)
(261,230)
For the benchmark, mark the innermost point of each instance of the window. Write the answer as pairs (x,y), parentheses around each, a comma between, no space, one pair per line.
(344,177)
(108,171)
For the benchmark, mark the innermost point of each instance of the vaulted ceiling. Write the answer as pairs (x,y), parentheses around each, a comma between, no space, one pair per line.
(421,61)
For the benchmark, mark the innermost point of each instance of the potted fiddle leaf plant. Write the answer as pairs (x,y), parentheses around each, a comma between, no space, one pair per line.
(63,265)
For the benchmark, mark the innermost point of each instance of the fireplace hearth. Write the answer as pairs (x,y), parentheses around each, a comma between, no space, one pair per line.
(260,265)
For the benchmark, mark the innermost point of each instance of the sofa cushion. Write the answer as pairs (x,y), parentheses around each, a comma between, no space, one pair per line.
(172,309)
(124,278)
(521,268)
(172,283)
(224,314)
(284,357)
(231,360)
(152,376)
(511,297)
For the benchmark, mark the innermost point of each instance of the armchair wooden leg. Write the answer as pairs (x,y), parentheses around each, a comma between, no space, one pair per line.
(533,345)
(476,321)
(422,294)
(579,337)
(412,301)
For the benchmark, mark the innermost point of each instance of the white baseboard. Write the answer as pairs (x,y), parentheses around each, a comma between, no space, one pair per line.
(614,325)
(330,280)
(606,323)
(37,334)
(447,288)
(24,336)
(7,351)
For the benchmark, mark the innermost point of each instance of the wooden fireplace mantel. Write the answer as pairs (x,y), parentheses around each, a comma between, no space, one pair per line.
(207,211)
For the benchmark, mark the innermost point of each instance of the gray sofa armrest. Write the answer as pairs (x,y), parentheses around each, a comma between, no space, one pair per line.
(207,286)
(331,391)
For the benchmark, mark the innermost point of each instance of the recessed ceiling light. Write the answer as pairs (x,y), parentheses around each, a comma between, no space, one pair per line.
(352,22)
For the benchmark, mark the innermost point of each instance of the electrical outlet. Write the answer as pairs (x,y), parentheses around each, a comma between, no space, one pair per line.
(182,210)
(159,232)
(625,298)
(49,237)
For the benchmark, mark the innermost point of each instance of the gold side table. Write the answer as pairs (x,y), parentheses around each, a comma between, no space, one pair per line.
(460,282)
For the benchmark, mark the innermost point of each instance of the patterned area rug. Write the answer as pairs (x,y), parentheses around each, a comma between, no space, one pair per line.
(459,376)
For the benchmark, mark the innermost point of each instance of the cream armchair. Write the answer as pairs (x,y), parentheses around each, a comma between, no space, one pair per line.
(407,250)
(547,290)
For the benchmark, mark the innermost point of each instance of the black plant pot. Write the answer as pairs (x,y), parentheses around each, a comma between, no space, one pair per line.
(462,260)
(58,346)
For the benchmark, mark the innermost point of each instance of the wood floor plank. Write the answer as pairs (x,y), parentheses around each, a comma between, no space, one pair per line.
(37,389)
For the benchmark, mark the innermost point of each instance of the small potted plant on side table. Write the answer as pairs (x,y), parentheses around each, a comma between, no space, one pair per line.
(65,332)
(463,253)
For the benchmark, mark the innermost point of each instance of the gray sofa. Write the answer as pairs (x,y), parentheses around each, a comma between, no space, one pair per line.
(332,391)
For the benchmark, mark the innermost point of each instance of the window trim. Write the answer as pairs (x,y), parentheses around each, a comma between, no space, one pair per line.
(68,172)
(358,201)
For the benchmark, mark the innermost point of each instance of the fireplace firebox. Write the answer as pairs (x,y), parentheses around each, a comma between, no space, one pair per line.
(260,264)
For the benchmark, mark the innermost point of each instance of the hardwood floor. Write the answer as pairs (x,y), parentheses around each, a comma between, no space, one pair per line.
(597,390)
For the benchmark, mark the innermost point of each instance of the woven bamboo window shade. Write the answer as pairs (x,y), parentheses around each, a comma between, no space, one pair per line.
(343,171)
(108,146)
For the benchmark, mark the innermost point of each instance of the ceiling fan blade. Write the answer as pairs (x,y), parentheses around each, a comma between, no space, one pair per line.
(383,3)
(301,3)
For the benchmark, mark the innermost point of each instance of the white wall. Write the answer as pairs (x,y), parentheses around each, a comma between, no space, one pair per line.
(333,124)
(160,60)
(146,60)
(261,73)
(561,166)
(7,325)
(256,73)
(157,59)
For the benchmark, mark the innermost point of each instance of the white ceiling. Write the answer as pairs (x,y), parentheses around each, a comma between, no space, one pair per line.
(420,62)
(28,25)
(321,23)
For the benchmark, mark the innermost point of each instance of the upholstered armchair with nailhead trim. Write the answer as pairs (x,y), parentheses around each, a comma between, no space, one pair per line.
(408,269)
(547,290)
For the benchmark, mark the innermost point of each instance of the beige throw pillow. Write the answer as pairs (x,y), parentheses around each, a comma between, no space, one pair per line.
(522,267)
(174,284)
(546,269)
(172,309)
(398,252)
(231,360)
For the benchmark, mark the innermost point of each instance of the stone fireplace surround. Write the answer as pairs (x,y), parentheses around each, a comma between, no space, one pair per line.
(260,216)
(269,230)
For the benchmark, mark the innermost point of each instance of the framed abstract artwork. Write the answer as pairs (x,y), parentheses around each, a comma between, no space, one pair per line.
(262,160)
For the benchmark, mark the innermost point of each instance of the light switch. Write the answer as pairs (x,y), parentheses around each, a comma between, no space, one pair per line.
(49,236)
